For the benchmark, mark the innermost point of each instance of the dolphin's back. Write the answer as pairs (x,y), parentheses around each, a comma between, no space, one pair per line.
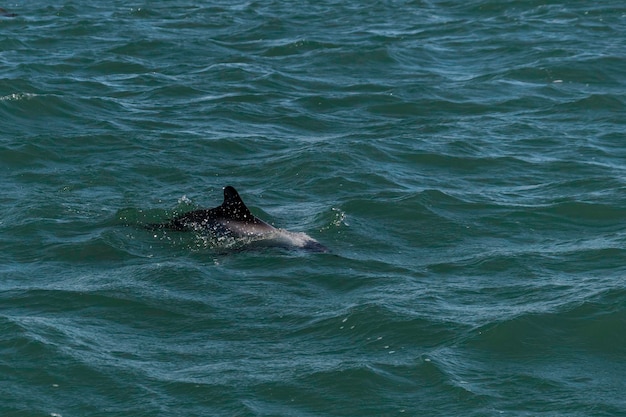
(232,211)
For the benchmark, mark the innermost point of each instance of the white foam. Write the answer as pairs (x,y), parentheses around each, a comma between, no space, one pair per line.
(17,97)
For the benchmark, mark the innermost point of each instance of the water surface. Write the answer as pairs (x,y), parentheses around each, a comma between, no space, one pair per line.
(464,161)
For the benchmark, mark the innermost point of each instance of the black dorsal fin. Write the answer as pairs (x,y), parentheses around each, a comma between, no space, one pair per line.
(234,207)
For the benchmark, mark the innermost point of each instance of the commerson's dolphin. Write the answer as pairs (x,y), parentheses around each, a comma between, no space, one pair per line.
(233,220)
(6,13)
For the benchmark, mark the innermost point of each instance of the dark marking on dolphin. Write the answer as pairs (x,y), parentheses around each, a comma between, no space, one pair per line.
(234,220)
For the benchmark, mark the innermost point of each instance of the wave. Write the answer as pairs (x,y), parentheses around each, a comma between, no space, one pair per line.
(588,325)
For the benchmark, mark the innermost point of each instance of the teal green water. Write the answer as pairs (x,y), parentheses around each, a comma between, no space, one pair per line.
(465,162)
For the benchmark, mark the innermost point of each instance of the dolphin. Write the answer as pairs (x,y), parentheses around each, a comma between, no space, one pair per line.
(6,13)
(234,220)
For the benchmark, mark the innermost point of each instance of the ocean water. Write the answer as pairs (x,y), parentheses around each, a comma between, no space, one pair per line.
(465,162)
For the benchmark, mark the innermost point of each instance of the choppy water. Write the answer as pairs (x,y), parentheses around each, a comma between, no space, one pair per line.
(465,162)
